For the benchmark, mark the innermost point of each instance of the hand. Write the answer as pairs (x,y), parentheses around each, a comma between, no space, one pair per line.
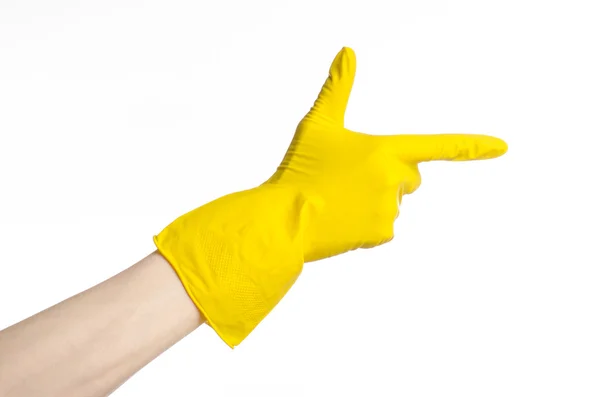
(357,180)
(335,190)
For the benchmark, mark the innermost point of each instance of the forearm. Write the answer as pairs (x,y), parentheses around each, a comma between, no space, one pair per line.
(91,343)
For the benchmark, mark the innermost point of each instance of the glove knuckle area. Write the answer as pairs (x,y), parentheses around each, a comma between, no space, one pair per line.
(408,177)
(380,235)
(382,222)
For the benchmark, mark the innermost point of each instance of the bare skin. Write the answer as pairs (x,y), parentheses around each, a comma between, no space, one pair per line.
(91,343)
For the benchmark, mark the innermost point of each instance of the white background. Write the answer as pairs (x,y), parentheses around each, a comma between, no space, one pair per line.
(118,116)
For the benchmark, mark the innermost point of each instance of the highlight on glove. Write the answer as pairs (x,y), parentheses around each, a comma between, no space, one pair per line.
(335,190)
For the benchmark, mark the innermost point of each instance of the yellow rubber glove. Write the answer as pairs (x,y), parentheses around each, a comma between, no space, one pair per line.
(358,178)
(335,190)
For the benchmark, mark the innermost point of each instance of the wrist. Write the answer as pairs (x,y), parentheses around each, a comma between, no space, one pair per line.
(237,256)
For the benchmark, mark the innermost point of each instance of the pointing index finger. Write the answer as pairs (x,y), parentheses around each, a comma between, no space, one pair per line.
(454,147)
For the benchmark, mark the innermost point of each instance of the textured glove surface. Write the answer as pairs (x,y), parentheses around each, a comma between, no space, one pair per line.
(238,255)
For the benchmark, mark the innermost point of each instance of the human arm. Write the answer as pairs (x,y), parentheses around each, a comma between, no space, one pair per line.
(336,190)
(91,343)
